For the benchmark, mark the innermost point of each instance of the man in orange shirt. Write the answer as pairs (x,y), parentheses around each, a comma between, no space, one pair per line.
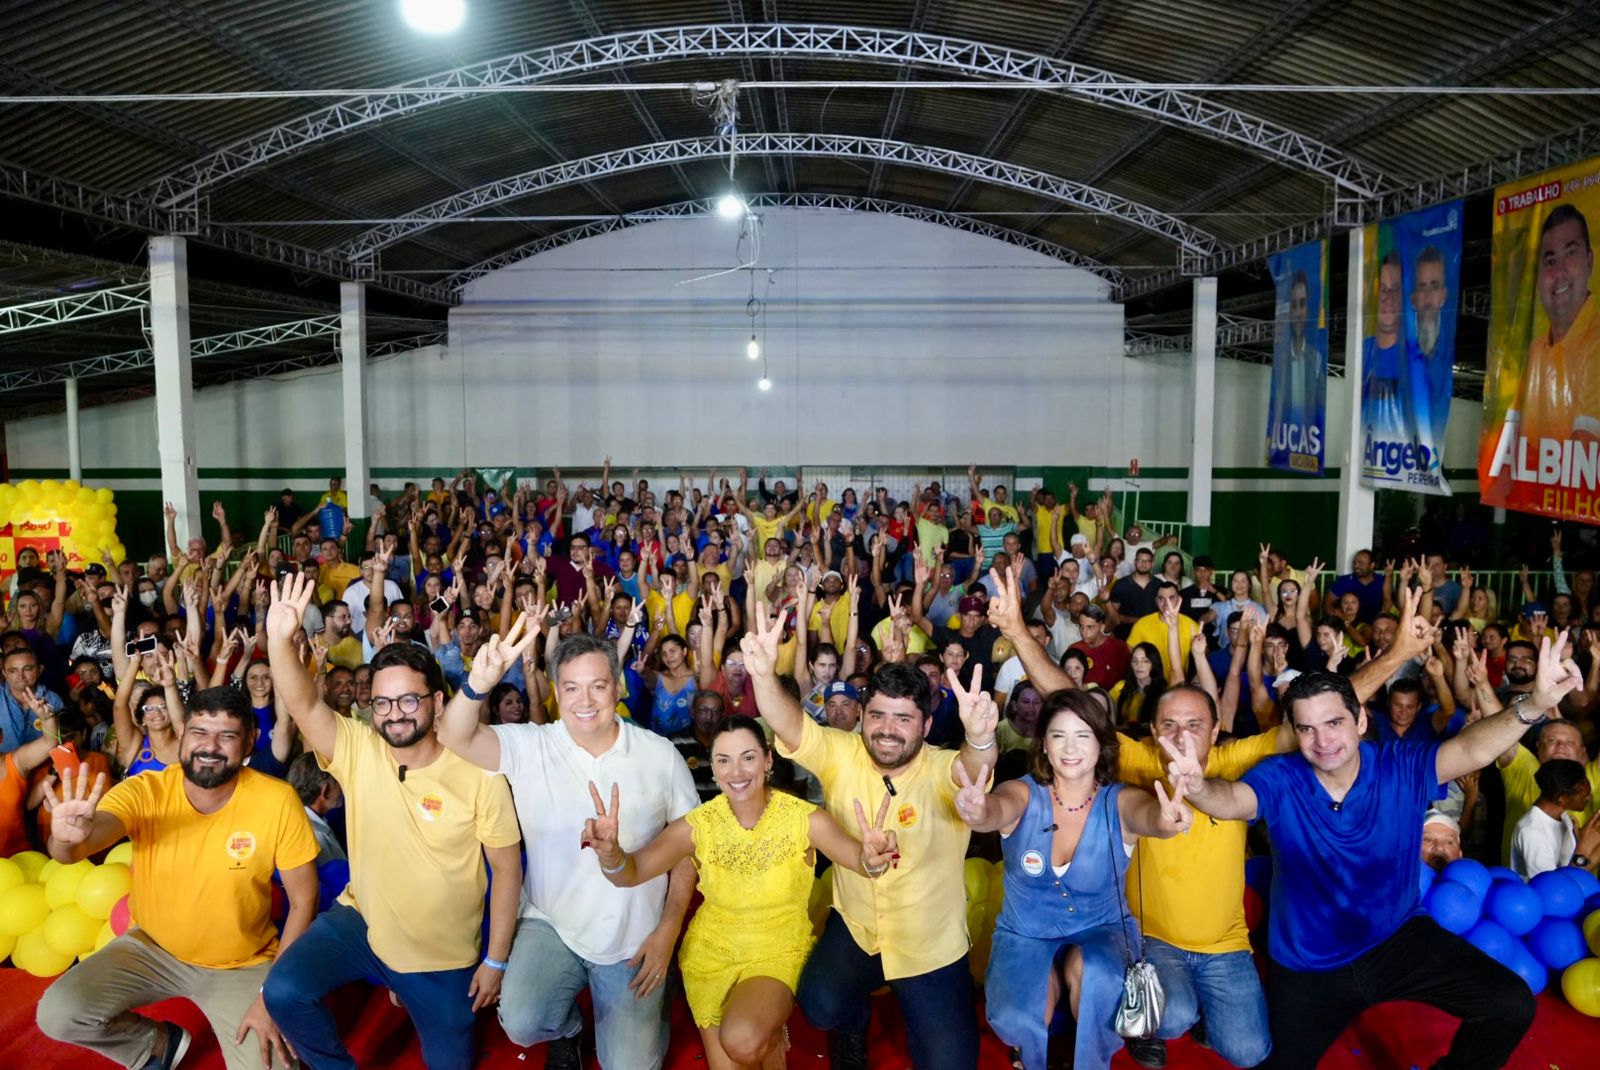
(1560,395)
(14,775)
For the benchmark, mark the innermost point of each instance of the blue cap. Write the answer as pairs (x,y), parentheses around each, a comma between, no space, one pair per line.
(841,687)
(1530,608)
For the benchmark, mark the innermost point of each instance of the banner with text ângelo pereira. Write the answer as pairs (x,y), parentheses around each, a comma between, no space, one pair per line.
(1297,411)
(1412,272)
(1540,449)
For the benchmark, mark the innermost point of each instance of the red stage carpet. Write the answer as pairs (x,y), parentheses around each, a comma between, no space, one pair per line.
(1398,1036)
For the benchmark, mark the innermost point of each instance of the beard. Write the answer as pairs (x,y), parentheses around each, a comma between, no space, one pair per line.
(900,759)
(406,731)
(208,776)
(1519,675)
(1427,333)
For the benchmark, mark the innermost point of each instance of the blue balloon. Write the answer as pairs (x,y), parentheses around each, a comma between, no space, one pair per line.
(1588,884)
(1454,906)
(1258,875)
(1558,893)
(1515,907)
(1530,969)
(1505,873)
(1591,903)
(1427,876)
(1557,943)
(1493,941)
(1472,874)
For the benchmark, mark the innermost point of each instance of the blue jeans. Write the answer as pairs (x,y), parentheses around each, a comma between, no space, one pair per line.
(538,1001)
(941,1022)
(335,952)
(1225,988)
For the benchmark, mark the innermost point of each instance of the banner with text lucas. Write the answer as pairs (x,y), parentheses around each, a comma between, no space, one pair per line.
(1540,449)
(1409,335)
(1297,411)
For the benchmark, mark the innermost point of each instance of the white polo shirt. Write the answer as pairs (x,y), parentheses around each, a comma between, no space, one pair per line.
(1541,843)
(562,883)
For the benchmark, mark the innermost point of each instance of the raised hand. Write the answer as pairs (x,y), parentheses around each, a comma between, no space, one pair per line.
(496,656)
(601,830)
(289,600)
(1557,674)
(1313,570)
(166,671)
(1175,815)
(760,643)
(1266,549)
(1197,646)
(169,510)
(972,798)
(72,815)
(879,848)
(979,715)
(218,513)
(1005,608)
(1184,768)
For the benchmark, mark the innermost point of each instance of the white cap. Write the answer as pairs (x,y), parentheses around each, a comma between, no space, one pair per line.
(1080,537)
(1439,817)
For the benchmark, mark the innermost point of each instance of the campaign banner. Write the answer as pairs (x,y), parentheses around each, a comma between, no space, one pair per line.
(1297,411)
(1540,448)
(1412,272)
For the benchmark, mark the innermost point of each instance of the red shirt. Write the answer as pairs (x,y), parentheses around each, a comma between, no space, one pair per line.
(1108,662)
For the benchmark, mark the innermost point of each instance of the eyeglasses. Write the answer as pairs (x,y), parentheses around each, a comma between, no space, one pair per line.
(159,707)
(409,703)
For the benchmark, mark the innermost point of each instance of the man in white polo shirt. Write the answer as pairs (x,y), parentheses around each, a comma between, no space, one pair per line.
(577,930)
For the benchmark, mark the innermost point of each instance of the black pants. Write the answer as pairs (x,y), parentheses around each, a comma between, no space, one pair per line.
(1420,962)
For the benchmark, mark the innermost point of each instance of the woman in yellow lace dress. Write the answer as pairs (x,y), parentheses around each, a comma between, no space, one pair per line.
(755,852)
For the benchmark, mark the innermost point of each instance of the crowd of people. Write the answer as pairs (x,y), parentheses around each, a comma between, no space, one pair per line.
(535,720)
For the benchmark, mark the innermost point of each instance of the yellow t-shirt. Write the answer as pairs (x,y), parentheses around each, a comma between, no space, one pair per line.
(765,529)
(341,499)
(914,916)
(1522,792)
(337,577)
(684,608)
(930,536)
(1150,629)
(817,512)
(1008,511)
(1192,892)
(416,861)
(765,573)
(838,620)
(917,641)
(202,883)
(346,653)
(1088,527)
(1044,536)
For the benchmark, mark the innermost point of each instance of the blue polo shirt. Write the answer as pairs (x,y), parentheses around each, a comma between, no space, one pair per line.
(1369,593)
(1344,880)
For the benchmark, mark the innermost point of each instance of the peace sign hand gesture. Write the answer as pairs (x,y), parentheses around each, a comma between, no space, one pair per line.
(879,847)
(601,830)
(972,797)
(495,658)
(979,715)
(1175,814)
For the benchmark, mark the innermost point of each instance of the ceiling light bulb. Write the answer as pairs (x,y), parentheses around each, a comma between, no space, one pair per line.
(730,206)
(434,16)
(752,348)
(764,384)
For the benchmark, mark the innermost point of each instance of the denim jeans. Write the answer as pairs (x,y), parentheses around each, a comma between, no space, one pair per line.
(941,1022)
(1225,988)
(1420,962)
(334,952)
(538,1001)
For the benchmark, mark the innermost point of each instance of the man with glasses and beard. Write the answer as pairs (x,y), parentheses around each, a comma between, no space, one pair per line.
(420,822)
(909,928)
(207,835)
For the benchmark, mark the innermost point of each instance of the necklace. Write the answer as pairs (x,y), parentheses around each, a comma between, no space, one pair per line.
(1080,806)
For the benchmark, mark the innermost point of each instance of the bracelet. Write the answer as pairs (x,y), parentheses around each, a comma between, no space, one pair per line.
(618,868)
(494,964)
(987,746)
(475,696)
(873,873)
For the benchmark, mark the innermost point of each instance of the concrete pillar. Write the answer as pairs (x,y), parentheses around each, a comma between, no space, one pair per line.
(1203,397)
(169,339)
(74,442)
(1357,501)
(353,377)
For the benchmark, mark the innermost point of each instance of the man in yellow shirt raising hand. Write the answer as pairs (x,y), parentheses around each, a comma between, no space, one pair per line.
(207,834)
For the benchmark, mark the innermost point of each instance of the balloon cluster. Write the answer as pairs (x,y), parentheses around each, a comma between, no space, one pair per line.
(1549,923)
(986,889)
(52,915)
(90,514)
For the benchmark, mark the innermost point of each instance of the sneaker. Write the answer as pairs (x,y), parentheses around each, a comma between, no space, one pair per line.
(847,1050)
(1150,1052)
(565,1053)
(177,1047)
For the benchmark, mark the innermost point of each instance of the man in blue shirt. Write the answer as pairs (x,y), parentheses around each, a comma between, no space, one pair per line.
(1347,926)
(1366,583)
(21,667)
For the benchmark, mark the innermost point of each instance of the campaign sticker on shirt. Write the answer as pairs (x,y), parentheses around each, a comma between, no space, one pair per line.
(241,845)
(1033,863)
(430,807)
(693,762)
(906,815)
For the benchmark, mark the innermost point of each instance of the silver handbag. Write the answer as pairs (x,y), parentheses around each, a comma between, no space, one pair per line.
(1143,999)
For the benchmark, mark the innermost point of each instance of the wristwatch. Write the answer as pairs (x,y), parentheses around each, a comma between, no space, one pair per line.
(1520,700)
(1581,861)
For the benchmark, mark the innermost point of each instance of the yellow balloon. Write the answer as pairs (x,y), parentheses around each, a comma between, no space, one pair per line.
(69,931)
(99,891)
(1580,983)
(1591,931)
(103,937)
(31,862)
(997,888)
(84,495)
(47,871)
(976,876)
(6,944)
(23,909)
(122,852)
(821,900)
(103,494)
(61,887)
(11,875)
(33,954)
(71,484)
(28,488)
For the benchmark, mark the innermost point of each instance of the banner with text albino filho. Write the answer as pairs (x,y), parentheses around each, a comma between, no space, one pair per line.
(1540,450)
(1412,274)
(1297,412)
